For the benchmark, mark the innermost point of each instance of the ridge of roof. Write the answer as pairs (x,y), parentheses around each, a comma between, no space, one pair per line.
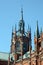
(4,52)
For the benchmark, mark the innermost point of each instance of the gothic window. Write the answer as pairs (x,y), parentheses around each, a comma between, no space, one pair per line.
(18,48)
(25,47)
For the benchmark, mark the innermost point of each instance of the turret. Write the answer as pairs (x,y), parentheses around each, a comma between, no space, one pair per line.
(13,40)
(37,31)
(41,32)
(37,39)
(29,37)
(28,31)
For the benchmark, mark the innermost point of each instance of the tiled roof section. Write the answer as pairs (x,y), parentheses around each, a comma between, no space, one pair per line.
(26,55)
(4,56)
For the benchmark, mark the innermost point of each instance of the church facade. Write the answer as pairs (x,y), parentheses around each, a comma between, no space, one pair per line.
(21,52)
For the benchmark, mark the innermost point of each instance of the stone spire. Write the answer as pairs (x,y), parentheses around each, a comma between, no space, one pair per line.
(21,13)
(28,28)
(41,31)
(15,28)
(12,31)
(21,23)
(37,31)
(34,34)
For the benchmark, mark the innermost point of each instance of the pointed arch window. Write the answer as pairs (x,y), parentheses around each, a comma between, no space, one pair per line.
(18,47)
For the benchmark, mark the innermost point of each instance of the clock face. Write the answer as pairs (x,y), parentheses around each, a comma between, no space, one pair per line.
(18,48)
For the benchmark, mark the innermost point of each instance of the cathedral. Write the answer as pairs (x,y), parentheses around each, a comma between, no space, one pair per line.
(21,52)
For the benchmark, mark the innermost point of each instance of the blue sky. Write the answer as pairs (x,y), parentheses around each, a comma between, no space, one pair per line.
(10,13)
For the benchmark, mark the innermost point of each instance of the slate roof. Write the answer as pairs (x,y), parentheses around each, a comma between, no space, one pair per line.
(4,56)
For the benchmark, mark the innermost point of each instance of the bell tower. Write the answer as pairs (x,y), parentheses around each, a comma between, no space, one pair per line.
(21,39)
